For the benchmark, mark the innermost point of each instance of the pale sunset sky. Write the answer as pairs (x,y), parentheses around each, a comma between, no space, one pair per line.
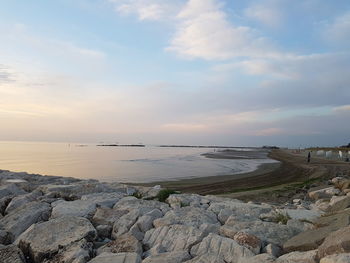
(223,72)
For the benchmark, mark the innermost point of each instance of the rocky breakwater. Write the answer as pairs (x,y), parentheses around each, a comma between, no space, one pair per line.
(66,220)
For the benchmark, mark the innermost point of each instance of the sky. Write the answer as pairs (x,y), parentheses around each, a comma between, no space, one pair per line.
(209,72)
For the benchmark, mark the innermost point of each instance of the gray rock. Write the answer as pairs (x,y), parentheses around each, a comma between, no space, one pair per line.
(207,258)
(172,238)
(338,258)
(321,193)
(5,237)
(4,203)
(190,216)
(337,242)
(209,228)
(107,216)
(73,208)
(169,257)
(43,240)
(22,200)
(262,258)
(11,254)
(10,190)
(23,217)
(302,214)
(144,206)
(116,258)
(270,232)
(104,231)
(221,247)
(125,243)
(103,199)
(249,241)
(273,250)
(144,223)
(339,203)
(298,257)
(124,223)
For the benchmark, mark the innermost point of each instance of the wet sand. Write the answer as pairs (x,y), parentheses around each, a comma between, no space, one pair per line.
(291,168)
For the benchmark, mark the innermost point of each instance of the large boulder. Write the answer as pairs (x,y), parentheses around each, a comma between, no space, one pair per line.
(337,242)
(207,258)
(298,257)
(107,216)
(190,216)
(103,199)
(23,217)
(10,190)
(221,247)
(22,200)
(144,206)
(324,193)
(73,208)
(173,238)
(43,240)
(125,243)
(11,254)
(339,203)
(312,238)
(261,258)
(338,258)
(169,257)
(116,258)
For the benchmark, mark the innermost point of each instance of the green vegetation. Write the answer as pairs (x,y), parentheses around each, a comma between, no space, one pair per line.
(281,218)
(164,194)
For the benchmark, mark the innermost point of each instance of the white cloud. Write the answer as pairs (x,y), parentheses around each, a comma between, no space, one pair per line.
(204,31)
(338,31)
(147,9)
(268,13)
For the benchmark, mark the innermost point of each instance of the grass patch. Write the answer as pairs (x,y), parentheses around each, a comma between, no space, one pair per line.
(164,194)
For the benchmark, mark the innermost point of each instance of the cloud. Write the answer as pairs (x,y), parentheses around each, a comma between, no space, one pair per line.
(5,74)
(204,31)
(147,9)
(267,12)
(338,31)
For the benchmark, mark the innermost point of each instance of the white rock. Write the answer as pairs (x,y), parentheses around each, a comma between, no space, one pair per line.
(73,208)
(168,257)
(116,258)
(298,257)
(207,258)
(262,258)
(338,258)
(103,199)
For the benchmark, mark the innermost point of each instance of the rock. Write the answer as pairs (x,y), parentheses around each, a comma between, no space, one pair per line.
(116,258)
(262,258)
(4,203)
(104,231)
(298,257)
(184,200)
(23,217)
(103,199)
(73,208)
(321,204)
(190,216)
(169,257)
(10,190)
(124,223)
(339,203)
(43,240)
(22,200)
(312,238)
(209,228)
(221,247)
(249,241)
(144,206)
(78,252)
(341,183)
(107,216)
(339,258)
(270,232)
(172,238)
(144,223)
(302,214)
(325,193)
(301,225)
(336,242)
(273,250)
(5,237)
(224,214)
(125,243)
(207,258)
(11,254)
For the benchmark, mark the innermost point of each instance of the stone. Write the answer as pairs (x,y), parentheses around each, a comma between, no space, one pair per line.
(124,223)
(107,216)
(337,242)
(262,258)
(302,214)
(104,231)
(172,238)
(103,199)
(10,190)
(78,252)
(43,240)
(22,200)
(125,243)
(298,257)
(313,238)
(116,258)
(209,228)
(207,258)
(73,208)
(273,250)
(249,241)
(144,223)
(300,224)
(5,237)
(190,216)
(224,214)
(221,247)
(339,203)
(144,206)
(169,257)
(4,203)
(324,193)
(270,232)
(23,217)
(11,254)
(338,258)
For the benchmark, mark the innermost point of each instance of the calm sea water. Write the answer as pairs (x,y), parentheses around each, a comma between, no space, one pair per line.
(117,164)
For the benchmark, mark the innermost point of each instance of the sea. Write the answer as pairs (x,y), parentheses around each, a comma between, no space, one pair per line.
(119,164)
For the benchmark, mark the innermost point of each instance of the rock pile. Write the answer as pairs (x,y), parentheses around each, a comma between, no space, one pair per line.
(65,220)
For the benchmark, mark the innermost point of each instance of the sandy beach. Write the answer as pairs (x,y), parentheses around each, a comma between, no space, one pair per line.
(291,169)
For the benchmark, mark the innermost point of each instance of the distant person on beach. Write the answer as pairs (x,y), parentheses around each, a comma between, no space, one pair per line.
(309,157)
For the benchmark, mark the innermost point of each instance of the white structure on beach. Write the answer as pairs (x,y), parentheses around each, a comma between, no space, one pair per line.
(320,153)
(328,154)
(340,154)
